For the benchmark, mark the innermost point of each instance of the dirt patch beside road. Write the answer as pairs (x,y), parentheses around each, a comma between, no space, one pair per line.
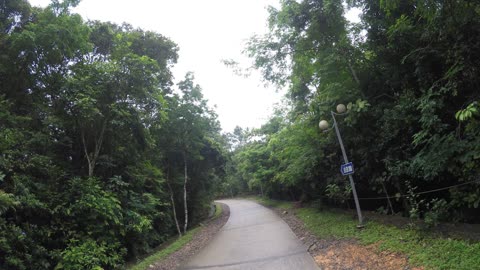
(200,240)
(350,255)
(334,254)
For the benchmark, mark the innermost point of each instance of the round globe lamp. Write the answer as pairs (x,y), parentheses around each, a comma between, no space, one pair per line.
(323,125)
(341,108)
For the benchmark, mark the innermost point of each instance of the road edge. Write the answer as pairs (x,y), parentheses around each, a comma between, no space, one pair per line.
(204,234)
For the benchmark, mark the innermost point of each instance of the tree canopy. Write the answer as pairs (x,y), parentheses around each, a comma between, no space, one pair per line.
(103,157)
(95,141)
(408,73)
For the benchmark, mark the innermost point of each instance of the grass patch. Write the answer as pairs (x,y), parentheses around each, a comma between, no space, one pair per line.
(272,203)
(161,254)
(218,210)
(422,248)
(174,246)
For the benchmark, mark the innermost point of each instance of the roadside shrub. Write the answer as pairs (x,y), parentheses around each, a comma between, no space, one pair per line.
(90,255)
(438,211)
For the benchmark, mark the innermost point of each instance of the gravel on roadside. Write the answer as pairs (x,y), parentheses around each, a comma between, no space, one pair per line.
(199,240)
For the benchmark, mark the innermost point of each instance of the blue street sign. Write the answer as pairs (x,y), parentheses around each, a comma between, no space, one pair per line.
(347,169)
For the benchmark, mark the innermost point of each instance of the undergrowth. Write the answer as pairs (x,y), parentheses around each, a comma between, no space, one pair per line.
(161,254)
(218,210)
(422,249)
(272,203)
(174,246)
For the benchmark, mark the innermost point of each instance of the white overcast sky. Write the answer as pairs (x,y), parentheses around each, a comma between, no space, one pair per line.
(206,32)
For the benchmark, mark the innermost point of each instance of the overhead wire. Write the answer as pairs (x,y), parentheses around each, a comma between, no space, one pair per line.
(418,193)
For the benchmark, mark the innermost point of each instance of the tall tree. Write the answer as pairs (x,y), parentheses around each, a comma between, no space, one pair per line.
(85,171)
(408,74)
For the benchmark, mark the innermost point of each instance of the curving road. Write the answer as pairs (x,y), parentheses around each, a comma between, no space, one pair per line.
(254,237)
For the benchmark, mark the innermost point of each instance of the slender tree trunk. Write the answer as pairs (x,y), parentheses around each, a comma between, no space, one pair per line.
(388,197)
(185,192)
(99,141)
(92,158)
(89,161)
(173,204)
(261,189)
(347,57)
(354,73)
(292,195)
(405,203)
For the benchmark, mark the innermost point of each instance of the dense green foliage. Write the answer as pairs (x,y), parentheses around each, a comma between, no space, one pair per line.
(409,72)
(96,143)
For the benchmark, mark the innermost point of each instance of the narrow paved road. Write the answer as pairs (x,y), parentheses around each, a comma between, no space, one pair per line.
(253,238)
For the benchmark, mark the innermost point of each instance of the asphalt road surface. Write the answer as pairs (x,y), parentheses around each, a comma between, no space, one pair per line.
(254,237)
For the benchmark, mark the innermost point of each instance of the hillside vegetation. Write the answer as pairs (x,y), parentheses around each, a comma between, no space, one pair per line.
(102,158)
(408,73)
(378,245)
